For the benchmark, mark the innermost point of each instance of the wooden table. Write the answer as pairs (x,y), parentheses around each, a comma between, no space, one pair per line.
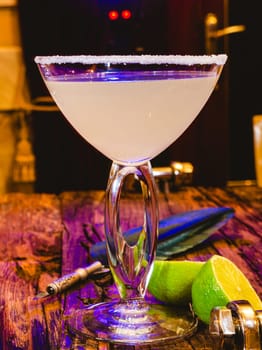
(44,236)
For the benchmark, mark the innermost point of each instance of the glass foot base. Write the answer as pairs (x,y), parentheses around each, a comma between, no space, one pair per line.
(132,322)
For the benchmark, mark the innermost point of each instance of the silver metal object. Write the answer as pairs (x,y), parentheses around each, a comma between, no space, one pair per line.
(69,280)
(167,178)
(236,327)
(183,173)
(175,175)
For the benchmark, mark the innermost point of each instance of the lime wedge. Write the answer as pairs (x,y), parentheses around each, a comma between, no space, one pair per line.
(171,280)
(218,282)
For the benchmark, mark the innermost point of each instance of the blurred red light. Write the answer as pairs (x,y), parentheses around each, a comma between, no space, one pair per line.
(113,15)
(126,14)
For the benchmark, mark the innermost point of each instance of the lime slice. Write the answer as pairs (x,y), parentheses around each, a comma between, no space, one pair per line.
(171,280)
(219,282)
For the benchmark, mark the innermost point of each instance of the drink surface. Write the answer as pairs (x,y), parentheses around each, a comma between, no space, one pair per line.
(132,119)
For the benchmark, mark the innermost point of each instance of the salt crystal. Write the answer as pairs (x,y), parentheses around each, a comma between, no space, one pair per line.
(135,59)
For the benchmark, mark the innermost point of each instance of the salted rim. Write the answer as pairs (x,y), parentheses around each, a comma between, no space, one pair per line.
(140,59)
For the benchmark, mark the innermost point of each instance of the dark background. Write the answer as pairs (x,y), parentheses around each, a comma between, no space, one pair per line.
(65,161)
(245,93)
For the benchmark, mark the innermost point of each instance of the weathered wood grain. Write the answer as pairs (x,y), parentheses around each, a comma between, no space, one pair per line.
(30,257)
(30,227)
(14,292)
(45,323)
(43,235)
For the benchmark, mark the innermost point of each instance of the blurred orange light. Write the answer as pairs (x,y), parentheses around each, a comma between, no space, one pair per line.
(126,14)
(113,15)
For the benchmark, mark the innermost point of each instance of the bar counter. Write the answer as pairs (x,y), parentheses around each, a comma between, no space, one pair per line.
(44,236)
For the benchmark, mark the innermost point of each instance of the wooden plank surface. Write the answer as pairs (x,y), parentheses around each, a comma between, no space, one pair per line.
(30,257)
(44,235)
(237,237)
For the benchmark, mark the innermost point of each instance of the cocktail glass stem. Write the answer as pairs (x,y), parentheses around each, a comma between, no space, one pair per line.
(131,262)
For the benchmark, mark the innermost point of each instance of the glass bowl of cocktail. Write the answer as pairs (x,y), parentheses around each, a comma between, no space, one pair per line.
(131,108)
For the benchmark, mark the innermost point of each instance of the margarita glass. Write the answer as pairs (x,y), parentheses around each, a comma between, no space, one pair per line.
(131,108)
